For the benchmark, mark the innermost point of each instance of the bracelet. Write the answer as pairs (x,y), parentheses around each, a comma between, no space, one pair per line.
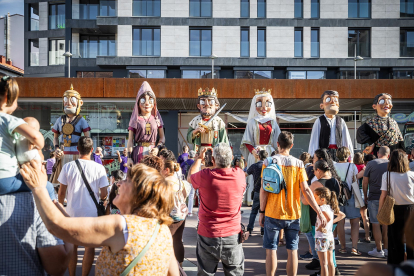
(261,212)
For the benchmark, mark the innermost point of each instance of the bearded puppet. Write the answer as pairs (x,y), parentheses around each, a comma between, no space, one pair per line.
(145,126)
(261,132)
(381,130)
(67,130)
(203,134)
(329,130)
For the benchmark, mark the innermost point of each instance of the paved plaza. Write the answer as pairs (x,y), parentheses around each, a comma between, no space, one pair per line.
(255,254)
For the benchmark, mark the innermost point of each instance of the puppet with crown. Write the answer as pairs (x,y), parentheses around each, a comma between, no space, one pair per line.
(202,132)
(261,131)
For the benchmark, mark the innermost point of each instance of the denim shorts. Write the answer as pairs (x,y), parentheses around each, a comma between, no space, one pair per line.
(373,206)
(349,209)
(272,228)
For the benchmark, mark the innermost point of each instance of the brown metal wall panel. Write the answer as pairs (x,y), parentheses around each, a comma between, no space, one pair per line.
(227,88)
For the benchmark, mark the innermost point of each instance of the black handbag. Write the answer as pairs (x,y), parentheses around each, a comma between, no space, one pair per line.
(99,206)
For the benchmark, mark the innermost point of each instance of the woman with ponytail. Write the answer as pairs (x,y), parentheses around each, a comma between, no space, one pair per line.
(324,240)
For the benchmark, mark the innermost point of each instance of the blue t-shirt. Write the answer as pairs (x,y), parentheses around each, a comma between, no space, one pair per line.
(8,161)
(81,126)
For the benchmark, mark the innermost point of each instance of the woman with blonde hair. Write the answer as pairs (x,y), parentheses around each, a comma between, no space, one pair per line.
(144,199)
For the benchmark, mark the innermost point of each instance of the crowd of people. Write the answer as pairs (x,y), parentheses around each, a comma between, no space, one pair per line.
(138,213)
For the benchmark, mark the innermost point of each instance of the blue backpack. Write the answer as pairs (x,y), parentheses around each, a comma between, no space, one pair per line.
(273,181)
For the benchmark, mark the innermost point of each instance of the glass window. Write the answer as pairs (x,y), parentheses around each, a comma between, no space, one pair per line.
(198,74)
(146,42)
(360,38)
(244,42)
(34,16)
(200,42)
(403,75)
(360,74)
(56,16)
(200,8)
(407,42)
(261,42)
(150,74)
(298,8)
(88,9)
(146,8)
(56,51)
(34,52)
(302,75)
(93,46)
(407,8)
(315,74)
(315,8)
(94,75)
(244,8)
(359,8)
(298,42)
(261,8)
(253,74)
(107,8)
(315,42)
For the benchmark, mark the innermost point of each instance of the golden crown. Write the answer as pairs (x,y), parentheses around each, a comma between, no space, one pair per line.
(207,92)
(263,91)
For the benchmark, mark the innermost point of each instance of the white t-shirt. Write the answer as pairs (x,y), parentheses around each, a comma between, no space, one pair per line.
(401,187)
(80,203)
(8,160)
(329,234)
(341,169)
(22,150)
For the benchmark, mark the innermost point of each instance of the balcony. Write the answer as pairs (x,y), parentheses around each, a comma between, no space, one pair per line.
(314,49)
(261,49)
(34,59)
(92,11)
(298,49)
(56,22)
(146,48)
(56,58)
(244,49)
(93,49)
(200,48)
(34,24)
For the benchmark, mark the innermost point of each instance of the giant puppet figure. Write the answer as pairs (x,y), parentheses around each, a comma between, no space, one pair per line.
(329,130)
(144,126)
(207,129)
(67,130)
(262,131)
(381,130)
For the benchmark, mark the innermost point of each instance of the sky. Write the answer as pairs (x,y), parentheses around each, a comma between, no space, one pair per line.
(11,6)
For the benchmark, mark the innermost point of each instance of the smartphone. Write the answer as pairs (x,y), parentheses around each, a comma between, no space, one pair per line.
(207,159)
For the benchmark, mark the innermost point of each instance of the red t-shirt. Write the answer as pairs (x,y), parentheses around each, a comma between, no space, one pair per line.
(221,193)
(360,167)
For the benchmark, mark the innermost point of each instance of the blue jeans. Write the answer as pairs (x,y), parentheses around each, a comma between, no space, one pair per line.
(15,184)
(272,229)
(255,210)
(312,245)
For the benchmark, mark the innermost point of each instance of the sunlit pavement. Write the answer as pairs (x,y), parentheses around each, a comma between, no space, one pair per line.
(255,255)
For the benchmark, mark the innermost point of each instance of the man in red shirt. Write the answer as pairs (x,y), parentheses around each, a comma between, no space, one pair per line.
(221,192)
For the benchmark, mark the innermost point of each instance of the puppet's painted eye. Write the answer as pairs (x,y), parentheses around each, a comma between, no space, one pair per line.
(65,100)
(74,101)
(258,104)
(142,101)
(328,100)
(268,104)
(202,102)
(212,102)
(151,101)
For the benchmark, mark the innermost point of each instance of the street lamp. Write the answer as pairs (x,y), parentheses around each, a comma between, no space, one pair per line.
(213,57)
(356,58)
(68,55)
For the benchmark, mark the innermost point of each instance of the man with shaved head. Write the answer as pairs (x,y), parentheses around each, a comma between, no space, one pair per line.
(372,181)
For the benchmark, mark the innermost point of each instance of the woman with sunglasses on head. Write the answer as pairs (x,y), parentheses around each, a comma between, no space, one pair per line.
(144,126)
(381,130)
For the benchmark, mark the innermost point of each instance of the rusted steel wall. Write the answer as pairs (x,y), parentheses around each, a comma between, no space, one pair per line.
(227,88)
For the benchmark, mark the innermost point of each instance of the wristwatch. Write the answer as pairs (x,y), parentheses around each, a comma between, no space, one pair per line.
(261,212)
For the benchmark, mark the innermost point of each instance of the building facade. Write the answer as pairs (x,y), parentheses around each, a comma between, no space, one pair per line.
(12,40)
(258,39)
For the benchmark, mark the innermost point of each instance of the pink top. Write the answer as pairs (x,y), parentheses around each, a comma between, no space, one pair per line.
(139,130)
(221,193)
(360,167)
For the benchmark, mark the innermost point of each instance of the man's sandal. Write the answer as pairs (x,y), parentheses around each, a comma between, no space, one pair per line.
(355,252)
(343,251)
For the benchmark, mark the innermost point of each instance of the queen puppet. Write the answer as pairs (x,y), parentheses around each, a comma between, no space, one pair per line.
(144,126)
(261,131)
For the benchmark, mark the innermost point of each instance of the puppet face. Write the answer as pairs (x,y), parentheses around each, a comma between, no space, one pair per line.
(330,104)
(383,106)
(207,106)
(146,104)
(263,105)
(72,103)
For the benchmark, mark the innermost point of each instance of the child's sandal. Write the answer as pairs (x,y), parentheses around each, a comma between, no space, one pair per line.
(355,252)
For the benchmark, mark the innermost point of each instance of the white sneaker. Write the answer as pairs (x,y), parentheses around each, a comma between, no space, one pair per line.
(375,253)
(386,252)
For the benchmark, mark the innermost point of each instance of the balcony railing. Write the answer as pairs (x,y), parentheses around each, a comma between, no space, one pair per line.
(56,22)
(245,9)
(298,49)
(34,24)
(92,50)
(315,10)
(406,49)
(200,9)
(34,59)
(56,58)
(200,48)
(146,48)
(244,49)
(146,8)
(261,48)
(314,49)
(91,11)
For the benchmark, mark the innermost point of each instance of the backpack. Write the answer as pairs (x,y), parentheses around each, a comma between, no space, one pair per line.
(180,210)
(344,191)
(273,180)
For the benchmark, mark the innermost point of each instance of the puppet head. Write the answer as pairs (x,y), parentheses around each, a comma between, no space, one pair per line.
(330,102)
(208,103)
(382,104)
(72,102)
(264,101)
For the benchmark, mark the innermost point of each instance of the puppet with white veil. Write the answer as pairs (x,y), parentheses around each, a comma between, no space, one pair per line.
(261,132)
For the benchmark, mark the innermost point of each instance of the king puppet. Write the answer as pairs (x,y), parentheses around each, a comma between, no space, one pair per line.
(67,130)
(207,129)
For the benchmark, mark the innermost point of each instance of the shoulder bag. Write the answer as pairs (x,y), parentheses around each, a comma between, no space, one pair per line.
(143,252)
(344,192)
(385,215)
(99,206)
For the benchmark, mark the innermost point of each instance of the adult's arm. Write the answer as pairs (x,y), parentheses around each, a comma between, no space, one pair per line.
(62,193)
(195,168)
(130,147)
(263,202)
(365,182)
(382,199)
(55,140)
(161,134)
(173,268)
(34,136)
(88,232)
(346,138)
(361,174)
(314,140)
(307,193)
(104,192)
(87,133)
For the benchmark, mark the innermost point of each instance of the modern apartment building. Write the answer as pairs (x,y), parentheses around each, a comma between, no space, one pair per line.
(259,39)
(11,43)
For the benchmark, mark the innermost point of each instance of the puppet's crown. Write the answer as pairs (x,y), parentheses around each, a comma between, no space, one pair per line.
(207,92)
(263,91)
